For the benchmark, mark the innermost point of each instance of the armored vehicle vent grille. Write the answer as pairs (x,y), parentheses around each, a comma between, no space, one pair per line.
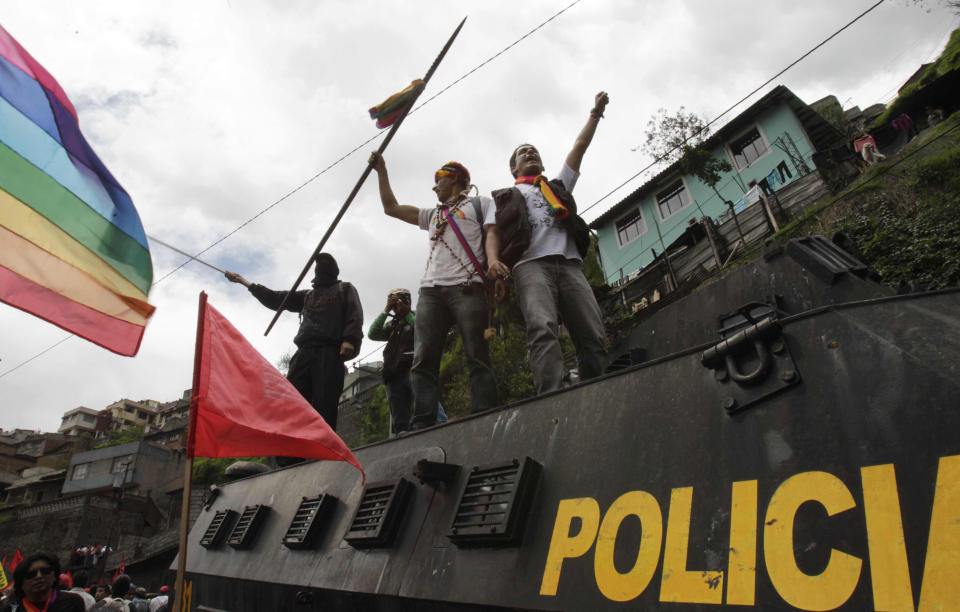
(495,503)
(305,525)
(379,514)
(245,531)
(823,258)
(218,528)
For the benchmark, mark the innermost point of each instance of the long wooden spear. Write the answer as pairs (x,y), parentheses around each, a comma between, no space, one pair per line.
(363,177)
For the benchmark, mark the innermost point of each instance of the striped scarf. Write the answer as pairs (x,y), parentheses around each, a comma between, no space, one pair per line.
(557,210)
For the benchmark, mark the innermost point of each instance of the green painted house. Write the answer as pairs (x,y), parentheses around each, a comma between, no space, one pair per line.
(774,139)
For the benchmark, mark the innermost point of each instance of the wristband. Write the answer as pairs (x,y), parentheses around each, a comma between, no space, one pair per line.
(596,113)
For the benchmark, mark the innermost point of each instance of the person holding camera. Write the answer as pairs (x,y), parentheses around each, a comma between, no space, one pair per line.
(395,326)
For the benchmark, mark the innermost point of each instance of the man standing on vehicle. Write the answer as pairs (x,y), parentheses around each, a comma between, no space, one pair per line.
(331,329)
(397,355)
(452,288)
(544,241)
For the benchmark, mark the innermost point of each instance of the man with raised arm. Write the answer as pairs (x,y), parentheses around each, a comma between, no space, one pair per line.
(452,288)
(543,241)
(331,328)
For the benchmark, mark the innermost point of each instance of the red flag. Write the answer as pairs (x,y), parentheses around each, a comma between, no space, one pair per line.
(15,561)
(120,569)
(242,406)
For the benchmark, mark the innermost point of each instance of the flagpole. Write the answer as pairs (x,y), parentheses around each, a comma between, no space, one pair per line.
(363,177)
(185,254)
(188,463)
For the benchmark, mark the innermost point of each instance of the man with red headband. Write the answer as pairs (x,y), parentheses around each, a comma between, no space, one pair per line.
(544,241)
(463,248)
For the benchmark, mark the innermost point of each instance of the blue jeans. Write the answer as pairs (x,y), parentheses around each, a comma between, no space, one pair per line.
(438,309)
(550,290)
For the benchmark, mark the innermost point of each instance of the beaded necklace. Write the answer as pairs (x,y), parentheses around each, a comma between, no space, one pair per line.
(440,227)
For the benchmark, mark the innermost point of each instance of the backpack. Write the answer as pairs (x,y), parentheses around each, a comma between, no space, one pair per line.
(139,605)
(475,200)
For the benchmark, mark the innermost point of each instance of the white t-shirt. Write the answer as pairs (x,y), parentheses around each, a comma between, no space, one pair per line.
(443,269)
(546,238)
(88,600)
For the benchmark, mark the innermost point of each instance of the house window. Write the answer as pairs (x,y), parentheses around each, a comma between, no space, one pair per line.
(80,471)
(120,464)
(748,148)
(630,227)
(672,199)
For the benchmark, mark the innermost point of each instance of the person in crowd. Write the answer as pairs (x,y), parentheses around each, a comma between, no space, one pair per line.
(80,579)
(161,602)
(33,587)
(543,240)
(934,116)
(100,592)
(464,248)
(139,602)
(116,601)
(871,155)
(331,329)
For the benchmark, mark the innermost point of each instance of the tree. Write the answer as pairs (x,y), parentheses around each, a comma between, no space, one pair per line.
(283,364)
(116,437)
(375,417)
(680,138)
(209,470)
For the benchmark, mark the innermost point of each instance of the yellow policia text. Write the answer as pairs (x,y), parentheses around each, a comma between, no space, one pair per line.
(888,572)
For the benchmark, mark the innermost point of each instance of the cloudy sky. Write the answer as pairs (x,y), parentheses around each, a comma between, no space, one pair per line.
(211,112)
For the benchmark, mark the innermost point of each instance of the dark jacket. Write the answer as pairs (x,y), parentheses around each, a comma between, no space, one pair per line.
(513,224)
(64,602)
(398,354)
(328,315)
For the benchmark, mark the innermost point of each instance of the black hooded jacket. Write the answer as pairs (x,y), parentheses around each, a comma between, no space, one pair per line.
(328,315)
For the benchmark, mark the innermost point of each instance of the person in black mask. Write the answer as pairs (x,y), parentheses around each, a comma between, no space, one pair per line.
(331,328)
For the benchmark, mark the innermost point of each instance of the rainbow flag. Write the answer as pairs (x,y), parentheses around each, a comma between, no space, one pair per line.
(387,112)
(72,248)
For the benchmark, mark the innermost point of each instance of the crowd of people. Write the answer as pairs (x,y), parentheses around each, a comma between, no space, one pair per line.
(38,584)
(528,235)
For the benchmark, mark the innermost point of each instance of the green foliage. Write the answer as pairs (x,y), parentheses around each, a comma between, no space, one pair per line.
(116,437)
(948,61)
(208,470)
(667,136)
(591,265)
(703,165)
(921,245)
(508,356)
(906,222)
(680,138)
(939,173)
(375,424)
